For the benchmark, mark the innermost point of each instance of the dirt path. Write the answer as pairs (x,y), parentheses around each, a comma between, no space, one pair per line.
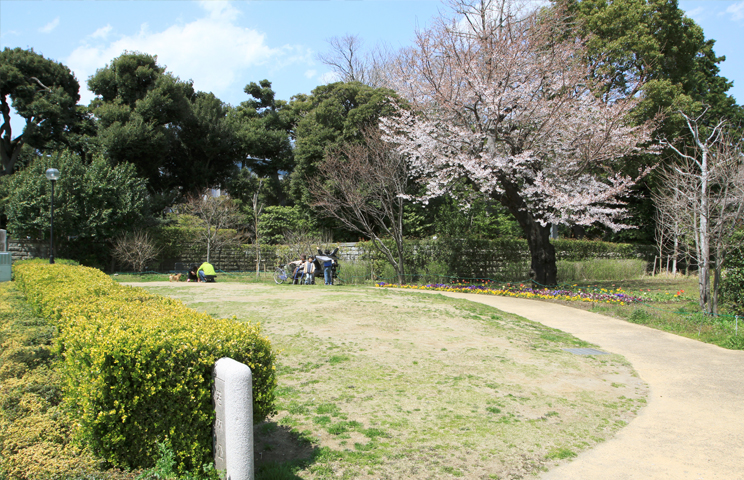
(693,426)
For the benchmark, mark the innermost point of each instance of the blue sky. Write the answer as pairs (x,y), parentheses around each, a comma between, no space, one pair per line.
(223,46)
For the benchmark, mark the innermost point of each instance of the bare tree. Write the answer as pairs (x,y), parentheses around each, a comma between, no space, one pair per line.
(705,194)
(503,101)
(135,249)
(299,242)
(217,216)
(257,209)
(351,63)
(364,187)
(670,229)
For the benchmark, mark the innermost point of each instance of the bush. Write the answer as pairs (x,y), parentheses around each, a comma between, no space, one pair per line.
(732,284)
(138,367)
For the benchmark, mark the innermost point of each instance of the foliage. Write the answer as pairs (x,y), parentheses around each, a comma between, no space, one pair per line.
(147,117)
(653,40)
(139,368)
(332,115)
(480,219)
(92,203)
(364,186)
(504,259)
(43,92)
(732,286)
(165,468)
(35,429)
(702,199)
(513,131)
(262,128)
(135,249)
(601,269)
(276,221)
(215,218)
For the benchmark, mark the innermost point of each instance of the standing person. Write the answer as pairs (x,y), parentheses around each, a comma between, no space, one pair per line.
(328,271)
(310,270)
(206,272)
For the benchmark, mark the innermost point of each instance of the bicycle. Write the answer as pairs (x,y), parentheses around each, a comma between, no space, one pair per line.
(281,275)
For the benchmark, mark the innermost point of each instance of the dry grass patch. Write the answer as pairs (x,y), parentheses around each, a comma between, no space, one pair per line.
(376,383)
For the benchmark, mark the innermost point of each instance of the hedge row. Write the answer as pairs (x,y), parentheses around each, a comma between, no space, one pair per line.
(138,367)
(475,258)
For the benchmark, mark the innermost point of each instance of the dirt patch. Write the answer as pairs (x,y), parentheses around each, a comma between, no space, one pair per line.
(376,383)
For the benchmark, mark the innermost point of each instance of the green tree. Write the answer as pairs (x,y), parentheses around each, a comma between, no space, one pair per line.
(176,137)
(93,203)
(262,127)
(206,149)
(653,42)
(277,220)
(330,116)
(43,92)
(732,286)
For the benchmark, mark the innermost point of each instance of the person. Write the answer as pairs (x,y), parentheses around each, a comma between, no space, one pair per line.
(299,267)
(310,270)
(328,271)
(206,272)
(192,276)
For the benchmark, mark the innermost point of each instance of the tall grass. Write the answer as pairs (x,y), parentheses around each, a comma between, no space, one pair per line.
(355,273)
(360,272)
(600,269)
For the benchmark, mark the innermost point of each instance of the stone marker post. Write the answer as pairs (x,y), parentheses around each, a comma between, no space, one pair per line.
(233,426)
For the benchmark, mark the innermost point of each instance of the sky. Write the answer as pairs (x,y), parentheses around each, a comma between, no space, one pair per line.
(222,46)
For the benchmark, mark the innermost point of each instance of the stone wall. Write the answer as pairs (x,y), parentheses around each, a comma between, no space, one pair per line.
(27,249)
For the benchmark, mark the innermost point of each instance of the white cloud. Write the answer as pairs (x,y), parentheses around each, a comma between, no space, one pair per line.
(329,77)
(50,26)
(696,13)
(737,11)
(310,73)
(102,32)
(212,51)
(219,9)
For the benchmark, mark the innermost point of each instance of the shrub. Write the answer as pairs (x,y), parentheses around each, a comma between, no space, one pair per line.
(732,285)
(138,367)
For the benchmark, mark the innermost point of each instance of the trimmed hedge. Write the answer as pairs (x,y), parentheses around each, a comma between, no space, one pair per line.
(138,367)
(505,258)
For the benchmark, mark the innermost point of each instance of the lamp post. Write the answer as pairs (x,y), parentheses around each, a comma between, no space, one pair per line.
(52,175)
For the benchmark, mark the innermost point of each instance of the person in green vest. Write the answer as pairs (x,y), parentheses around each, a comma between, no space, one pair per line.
(206,272)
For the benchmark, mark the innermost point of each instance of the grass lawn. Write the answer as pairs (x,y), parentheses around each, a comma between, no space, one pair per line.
(387,384)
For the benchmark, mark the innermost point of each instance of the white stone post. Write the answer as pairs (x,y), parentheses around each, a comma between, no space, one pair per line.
(233,427)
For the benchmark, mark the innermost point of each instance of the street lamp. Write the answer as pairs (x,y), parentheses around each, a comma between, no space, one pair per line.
(52,175)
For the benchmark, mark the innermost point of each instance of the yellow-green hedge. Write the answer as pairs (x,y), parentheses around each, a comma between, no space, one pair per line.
(138,367)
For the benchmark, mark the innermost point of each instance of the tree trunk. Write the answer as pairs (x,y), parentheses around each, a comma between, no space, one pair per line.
(543,269)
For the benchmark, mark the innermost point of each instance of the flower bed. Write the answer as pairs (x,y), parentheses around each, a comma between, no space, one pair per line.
(602,295)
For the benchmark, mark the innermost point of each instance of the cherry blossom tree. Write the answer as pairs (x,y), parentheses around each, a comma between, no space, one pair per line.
(502,102)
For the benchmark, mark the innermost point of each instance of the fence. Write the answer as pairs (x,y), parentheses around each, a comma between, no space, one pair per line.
(465,258)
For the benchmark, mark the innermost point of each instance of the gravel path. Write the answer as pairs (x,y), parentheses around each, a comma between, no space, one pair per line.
(693,425)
